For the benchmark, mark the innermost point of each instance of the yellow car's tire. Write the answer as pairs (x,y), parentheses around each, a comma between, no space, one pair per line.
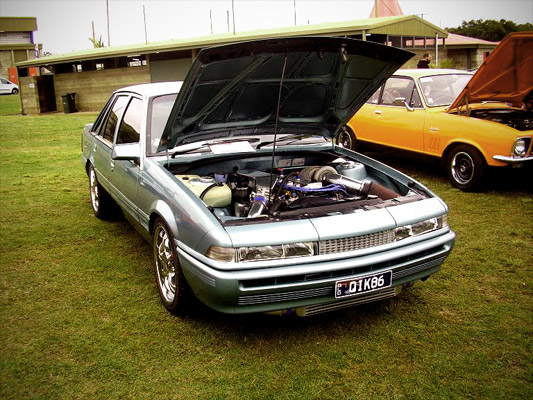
(465,168)
(346,138)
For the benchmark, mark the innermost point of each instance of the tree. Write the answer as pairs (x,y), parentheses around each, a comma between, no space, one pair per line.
(490,29)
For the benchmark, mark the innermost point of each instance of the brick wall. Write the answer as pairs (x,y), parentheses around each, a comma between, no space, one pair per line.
(29,96)
(93,88)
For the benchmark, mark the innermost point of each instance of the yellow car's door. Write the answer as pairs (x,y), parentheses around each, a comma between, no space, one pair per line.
(398,127)
(394,117)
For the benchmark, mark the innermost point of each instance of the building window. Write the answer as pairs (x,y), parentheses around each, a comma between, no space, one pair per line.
(136,62)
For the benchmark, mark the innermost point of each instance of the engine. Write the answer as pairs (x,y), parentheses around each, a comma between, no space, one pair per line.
(255,193)
(521,120)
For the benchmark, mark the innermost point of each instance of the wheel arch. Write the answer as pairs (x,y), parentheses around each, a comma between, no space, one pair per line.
(162,210)
(450,146)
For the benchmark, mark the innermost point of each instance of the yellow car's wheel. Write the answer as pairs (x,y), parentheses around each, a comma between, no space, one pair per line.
(346,138)
(465,168)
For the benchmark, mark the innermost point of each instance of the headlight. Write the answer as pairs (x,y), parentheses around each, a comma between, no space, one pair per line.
(261,253)
(419,228)
(520,147)
(224,254)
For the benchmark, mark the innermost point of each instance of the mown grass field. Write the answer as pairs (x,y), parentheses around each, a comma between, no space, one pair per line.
(81,318)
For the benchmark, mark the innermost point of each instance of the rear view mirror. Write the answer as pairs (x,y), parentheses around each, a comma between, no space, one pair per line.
(400,101)
(129,151)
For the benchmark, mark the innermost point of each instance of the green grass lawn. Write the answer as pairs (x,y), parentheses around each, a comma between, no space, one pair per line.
(81,318)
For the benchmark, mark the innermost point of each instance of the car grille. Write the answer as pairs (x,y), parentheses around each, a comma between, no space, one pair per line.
(285,296)
(353,301)
(355,243)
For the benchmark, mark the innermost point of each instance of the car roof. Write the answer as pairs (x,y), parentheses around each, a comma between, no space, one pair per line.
(419,72)
(153,89)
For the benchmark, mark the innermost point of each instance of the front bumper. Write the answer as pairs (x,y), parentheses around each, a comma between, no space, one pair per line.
(311,283)
(513,160)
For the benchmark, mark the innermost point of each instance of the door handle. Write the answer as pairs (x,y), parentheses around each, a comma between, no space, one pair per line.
(378,112)
(112,164)
(94,147)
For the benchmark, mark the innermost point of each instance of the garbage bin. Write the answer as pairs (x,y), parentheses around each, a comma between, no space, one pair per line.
(69,102)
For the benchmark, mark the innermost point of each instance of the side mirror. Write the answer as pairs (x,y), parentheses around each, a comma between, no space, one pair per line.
(400,101)
(129,151)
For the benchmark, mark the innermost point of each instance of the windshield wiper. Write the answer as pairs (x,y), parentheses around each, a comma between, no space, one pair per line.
(205,145)
(292,138)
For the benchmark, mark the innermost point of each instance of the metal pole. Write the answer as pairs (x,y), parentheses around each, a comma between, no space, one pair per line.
(233,14)
(145,31)
(437,49)
(211,19)
(294,12)
(107,9)
(376,8)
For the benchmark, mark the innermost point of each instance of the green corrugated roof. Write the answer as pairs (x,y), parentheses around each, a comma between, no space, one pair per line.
(411,25)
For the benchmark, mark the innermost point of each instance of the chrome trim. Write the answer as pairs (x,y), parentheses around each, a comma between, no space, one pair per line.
(512,160)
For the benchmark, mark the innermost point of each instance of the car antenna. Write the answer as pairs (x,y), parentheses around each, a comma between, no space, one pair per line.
(276,125)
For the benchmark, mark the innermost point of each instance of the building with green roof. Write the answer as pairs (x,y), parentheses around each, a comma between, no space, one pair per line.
(94,74)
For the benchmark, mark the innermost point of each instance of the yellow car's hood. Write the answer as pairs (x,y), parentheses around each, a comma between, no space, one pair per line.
(506,75)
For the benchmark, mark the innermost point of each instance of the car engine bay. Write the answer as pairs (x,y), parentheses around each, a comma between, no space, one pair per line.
(298,186)
(521,120)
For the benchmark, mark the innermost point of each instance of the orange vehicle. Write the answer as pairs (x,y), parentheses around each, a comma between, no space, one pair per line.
(471,121)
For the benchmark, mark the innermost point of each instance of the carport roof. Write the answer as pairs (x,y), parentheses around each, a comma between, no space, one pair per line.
(409,25)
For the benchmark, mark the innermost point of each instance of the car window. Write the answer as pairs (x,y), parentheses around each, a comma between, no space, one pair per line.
(415,101)
(375,97)
(114,116)
(100,120)
(4,81)
(442,90)
(397,87)
(130,127)
(161,107)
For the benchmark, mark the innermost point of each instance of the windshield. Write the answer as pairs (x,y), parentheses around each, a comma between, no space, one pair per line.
(441,90)
(161,107)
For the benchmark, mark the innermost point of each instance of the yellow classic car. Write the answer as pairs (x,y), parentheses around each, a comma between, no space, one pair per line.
(471,121)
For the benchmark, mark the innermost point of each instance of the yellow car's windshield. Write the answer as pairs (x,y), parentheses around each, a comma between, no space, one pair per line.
(441,90)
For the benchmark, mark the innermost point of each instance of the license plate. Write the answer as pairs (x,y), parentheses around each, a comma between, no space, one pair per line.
(363,284)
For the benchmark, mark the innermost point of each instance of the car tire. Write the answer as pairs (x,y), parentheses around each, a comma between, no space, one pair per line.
(101,201)
(346,138)
(171,284)
(15,91)
(465,168)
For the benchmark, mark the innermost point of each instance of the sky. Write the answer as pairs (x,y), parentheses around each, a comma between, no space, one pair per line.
(66,25)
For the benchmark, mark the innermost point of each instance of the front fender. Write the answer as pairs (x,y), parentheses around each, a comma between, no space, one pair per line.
(161,209)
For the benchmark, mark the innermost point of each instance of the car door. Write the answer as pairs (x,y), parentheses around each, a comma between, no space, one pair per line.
(103,144)
(125,173)
(4,86)
(398,117)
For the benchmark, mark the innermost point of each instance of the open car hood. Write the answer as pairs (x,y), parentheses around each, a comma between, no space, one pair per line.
(506,75)
(236,88)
